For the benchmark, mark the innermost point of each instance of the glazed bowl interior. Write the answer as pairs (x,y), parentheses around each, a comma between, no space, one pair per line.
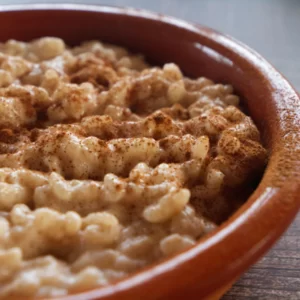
(199,51)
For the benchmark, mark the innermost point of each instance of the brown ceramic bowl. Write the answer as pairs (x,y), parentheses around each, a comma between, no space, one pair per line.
(208,269)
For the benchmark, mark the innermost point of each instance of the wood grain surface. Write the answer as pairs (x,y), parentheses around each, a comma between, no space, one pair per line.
(272,27)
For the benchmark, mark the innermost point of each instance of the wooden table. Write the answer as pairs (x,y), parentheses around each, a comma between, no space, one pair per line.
(272,27)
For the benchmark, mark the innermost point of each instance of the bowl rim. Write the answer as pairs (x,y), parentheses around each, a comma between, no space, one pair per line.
(258,206)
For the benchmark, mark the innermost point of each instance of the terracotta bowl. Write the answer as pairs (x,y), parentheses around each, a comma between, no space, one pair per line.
(208,269)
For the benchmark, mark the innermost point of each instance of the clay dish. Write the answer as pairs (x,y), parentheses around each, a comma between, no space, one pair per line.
(208,269)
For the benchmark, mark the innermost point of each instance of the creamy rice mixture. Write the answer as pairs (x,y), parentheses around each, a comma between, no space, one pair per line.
(108,165)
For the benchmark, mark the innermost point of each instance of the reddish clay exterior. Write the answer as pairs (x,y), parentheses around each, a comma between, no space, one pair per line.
(220,258)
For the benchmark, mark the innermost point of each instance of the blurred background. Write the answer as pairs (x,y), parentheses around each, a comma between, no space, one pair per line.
(272,28)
